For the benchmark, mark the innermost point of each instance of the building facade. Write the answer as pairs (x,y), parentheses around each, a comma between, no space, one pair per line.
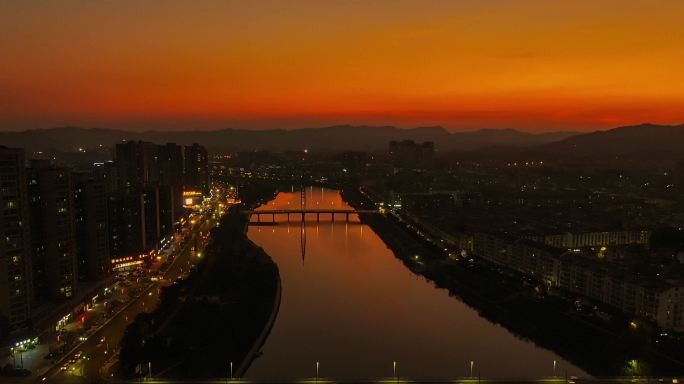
(656,300)
(92,224)
(148,200)
(53,236)
(592,239)
(409,154)
(16,283)
(196,171)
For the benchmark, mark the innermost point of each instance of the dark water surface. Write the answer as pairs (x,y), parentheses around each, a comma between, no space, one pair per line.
(355,308)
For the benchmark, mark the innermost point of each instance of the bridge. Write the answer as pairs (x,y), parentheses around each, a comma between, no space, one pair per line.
(304,212)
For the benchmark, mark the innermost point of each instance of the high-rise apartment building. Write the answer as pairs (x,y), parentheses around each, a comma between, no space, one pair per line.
(15,249)
(136,165)
(196,172)
(170,168)
(92,223)
(409,154)
(148,200)
(53,237)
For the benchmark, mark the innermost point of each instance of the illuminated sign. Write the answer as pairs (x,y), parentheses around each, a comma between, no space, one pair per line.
(129,261)
(192,198)
(128,264)
(122,259)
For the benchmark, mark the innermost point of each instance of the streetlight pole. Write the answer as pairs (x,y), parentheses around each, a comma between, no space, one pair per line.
(472,364)
(149,369)
(394,369)
(317,367)
(231,370)
(554,368)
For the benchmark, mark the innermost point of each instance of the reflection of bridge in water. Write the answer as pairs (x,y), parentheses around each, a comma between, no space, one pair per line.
(302,213)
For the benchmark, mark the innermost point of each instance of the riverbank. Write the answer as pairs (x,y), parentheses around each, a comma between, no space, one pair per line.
(511,300)
(253,353)
(219,314)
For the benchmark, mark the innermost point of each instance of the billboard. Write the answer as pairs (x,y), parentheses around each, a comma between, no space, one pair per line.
(192,198)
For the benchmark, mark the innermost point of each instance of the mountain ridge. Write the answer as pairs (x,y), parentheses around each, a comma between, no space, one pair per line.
(330,138)
(622,141)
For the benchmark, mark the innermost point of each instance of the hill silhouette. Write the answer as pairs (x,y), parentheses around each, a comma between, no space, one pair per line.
(638,141)
(334,138)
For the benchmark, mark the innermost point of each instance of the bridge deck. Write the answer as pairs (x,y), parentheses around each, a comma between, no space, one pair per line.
(304,212)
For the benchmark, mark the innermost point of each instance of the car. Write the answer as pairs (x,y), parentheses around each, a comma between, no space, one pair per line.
(71,361)
(78,354)
(64,367)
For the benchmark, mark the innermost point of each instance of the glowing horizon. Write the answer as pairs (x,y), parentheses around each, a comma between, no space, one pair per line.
(529,65)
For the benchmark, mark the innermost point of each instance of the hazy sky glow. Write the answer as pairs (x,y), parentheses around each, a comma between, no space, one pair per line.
(533,65)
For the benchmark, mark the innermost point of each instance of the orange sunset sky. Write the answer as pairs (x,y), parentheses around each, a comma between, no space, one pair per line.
(532,65)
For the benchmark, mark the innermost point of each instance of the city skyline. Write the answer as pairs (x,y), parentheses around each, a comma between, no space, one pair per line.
(528,65)
(337,192)
(162,247)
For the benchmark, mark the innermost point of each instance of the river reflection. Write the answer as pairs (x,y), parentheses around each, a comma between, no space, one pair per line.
(355,308)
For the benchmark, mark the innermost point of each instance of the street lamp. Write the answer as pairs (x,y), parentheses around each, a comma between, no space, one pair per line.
(472,364)
(317,367)
(394,370)
(554,368)
(231,370)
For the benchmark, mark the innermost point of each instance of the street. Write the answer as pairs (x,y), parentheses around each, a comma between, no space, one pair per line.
(98,352)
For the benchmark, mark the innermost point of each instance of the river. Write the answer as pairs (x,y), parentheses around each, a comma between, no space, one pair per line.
(352,306)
